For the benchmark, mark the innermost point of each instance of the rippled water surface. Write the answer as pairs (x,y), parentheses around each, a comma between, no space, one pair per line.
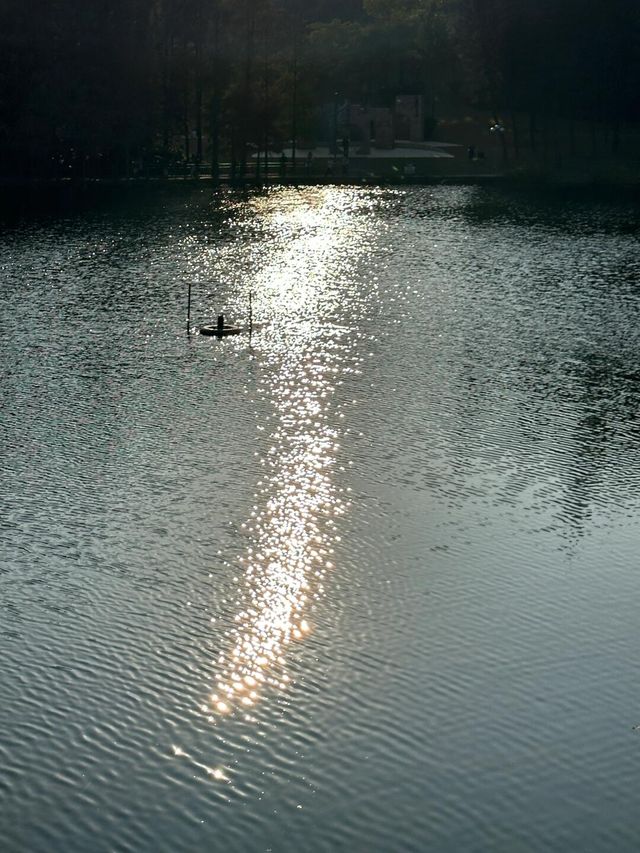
(366,581)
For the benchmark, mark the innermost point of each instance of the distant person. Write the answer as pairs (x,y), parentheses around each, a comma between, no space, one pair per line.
(283,164)
(471,152)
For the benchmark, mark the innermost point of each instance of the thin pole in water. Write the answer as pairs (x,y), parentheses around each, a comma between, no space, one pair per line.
(189,311)
(250,314)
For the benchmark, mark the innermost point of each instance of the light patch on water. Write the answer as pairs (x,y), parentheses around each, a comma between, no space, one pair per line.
(292,526)
(286,564)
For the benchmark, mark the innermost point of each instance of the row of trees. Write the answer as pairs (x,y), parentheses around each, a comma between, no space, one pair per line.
(562,61)
(112,87)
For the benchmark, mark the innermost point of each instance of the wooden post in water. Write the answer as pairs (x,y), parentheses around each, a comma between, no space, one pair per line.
(189,311)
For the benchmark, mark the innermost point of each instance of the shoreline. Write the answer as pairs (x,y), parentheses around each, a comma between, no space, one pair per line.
(26,197)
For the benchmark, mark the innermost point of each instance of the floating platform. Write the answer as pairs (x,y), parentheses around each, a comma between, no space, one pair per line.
(220,331)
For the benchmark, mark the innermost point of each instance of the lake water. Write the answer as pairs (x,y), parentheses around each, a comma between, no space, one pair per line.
(367,581)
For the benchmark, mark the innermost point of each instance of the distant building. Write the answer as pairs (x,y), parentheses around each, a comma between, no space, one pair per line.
(359,128)
(381,126)
(409,118)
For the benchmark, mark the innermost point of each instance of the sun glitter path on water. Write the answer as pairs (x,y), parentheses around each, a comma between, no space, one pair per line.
(286,566)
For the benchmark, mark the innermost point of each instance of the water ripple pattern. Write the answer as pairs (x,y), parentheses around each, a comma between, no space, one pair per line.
(364,582)
(291,526)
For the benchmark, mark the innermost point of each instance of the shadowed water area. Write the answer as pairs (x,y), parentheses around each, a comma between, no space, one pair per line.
(365,582)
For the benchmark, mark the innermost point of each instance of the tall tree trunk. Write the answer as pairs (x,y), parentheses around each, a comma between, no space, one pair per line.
(532,131)
(294,101)
(198,103)
(215,138)
(166,121)
(215,100)
(248,80)
(185,126)
(266,93)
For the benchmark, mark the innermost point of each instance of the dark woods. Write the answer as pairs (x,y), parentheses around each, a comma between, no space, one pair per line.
(121,88)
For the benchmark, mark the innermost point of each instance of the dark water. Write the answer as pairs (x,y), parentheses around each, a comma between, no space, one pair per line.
(368,582)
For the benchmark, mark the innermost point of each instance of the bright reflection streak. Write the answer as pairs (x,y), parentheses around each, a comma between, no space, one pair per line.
(291,543)
(291,528)
(214,772)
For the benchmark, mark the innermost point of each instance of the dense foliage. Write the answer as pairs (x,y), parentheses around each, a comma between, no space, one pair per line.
(117,87)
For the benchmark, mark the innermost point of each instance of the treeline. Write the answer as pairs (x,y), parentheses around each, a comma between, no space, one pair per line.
(557,62)
(111,88)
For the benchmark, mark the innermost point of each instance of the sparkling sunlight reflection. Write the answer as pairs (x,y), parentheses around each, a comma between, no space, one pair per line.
(291,528)
(290,555)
